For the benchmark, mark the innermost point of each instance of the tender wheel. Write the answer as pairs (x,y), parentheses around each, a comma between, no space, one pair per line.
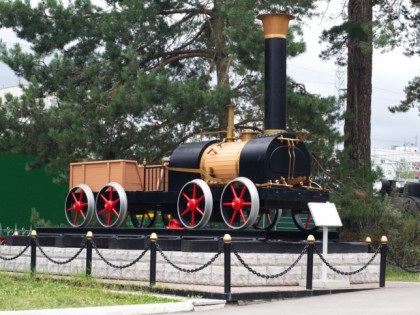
(303,220)
(267,219)
(239,203)
(111,205)
(144,219)
(79,205)
(195,204)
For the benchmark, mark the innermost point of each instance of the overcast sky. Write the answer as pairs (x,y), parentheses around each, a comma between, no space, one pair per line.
(391,73)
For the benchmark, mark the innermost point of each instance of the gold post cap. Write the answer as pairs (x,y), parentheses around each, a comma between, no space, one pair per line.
(89,235)
(384,240)
(227,239)
(34,234)
(275,24)
(368,240)
(153,237)
(310,239)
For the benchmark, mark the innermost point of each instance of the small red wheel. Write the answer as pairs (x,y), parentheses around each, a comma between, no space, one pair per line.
(303,220)
(79,205)
(144,219)
(267,219)
(239,203)
(111,205)
(195,204)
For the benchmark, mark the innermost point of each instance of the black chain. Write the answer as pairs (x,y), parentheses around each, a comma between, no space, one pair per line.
(61,262)
(344,273)
(212,260)
(120,266)
(17,256)
(270,276)
(403,267)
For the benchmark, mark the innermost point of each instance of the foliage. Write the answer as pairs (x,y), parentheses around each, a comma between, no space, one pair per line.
(403,170)
(25,292)
(37,221)
(399,220)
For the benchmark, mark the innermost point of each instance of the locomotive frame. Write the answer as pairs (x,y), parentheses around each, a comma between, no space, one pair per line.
(241,182)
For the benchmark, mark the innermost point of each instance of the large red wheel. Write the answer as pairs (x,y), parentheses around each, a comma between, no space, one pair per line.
(111,205)
(239,203)
(195,204)
(267,219)
(79,205)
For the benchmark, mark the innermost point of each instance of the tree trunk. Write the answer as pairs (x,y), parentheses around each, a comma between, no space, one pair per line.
(359,84)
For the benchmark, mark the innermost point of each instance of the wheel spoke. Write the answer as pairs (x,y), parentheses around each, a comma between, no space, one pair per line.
(232,219)
(242,215)
(76,216)
(185,212)
(308,219)
(233,191)
(74,196)
(242,193)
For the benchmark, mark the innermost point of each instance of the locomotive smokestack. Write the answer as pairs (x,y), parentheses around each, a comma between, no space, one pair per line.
(275,33)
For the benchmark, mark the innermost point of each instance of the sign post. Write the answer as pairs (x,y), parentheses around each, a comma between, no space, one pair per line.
(325,215)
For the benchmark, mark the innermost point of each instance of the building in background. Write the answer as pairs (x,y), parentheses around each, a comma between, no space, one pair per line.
(397,162)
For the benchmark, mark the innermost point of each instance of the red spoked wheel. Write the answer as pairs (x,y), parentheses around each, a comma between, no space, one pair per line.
(239,203)
(144,219)
(267,219)
(195,204)
(111,205)
(79,206)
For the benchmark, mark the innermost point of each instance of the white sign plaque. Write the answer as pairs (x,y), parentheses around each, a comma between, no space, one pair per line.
(324,214)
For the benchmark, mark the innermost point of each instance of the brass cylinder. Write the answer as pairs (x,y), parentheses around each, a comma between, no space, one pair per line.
(248,135)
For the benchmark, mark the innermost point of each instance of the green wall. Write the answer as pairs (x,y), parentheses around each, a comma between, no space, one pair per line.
(22,190)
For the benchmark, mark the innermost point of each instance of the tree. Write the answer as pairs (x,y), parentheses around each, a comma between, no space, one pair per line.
(133,79)
(394,22)
(355,33)
(408,27)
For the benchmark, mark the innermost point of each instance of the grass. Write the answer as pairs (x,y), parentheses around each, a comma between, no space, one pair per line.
(397,274)
(26,292)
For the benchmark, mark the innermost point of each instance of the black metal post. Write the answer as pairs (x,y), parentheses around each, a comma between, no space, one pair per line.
(227,243)
(310,263)
(89,237)
(153,239)
(382,271)
(34,235)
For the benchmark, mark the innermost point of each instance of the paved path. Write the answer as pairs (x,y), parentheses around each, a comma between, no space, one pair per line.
(394,300)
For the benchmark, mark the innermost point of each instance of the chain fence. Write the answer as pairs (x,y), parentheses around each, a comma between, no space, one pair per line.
(408,268)
(212,260)
(227,249)
(15,257)
(120,266)
(265,276)
(348,273)
(61,262)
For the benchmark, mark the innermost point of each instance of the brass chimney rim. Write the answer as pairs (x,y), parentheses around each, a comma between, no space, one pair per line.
(275,24)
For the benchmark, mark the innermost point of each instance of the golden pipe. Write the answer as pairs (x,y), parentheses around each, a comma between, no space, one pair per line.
(230,136)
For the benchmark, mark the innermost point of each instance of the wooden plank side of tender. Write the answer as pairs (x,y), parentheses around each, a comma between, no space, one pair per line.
(96,174)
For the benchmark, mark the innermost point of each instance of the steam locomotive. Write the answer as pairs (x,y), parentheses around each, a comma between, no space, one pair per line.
(241,182)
